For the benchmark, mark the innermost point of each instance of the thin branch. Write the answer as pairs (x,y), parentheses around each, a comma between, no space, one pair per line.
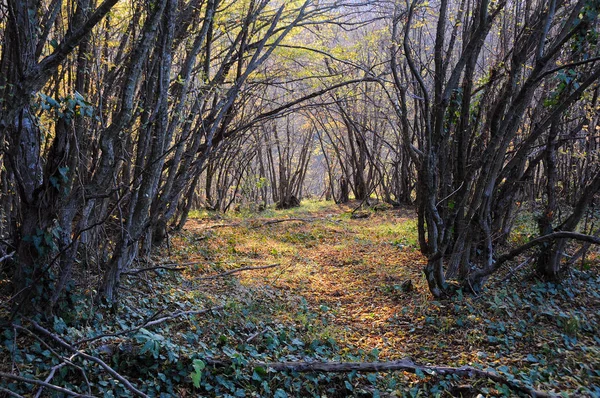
(513,271)
(569,65)
(100,362)
(68,361)
(255,335)
(150,322)
(12,394)
(52,61)
(234,271)
(6,257)
(44,384)
(50,377)
(546,238)
(264,224)
(481,273)
(180,314)
(281,108)
(140,270)
(448,197)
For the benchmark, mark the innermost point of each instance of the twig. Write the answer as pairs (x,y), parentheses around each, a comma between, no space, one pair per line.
(233,271)
(183,264)
(513,271)
(7,256)
(366,198)
(50,377)
(223,225)
(100,362)
(180,314)
(264,224)
(44,384)
(533,243)
(255,335)
(120,333)
(448,197)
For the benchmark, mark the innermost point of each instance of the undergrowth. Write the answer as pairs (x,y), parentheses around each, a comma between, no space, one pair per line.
(335,293)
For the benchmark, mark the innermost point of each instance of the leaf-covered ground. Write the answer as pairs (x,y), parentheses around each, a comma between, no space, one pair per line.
(336,288)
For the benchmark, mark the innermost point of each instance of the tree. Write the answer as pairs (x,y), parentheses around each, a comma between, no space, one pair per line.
(478,115)
(26,66)
(126,137)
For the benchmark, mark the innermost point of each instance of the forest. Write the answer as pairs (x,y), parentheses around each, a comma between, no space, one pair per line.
(320,198)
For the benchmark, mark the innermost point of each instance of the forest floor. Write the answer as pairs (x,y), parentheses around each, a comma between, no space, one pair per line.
(320,283)
(358,282)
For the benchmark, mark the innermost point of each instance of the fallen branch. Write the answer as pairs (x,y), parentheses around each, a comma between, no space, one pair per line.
(165,267)
(224,225)
(405,365)
(233,271)
(148,323)
(50,377)
(547,238)
(43,384)
(168,267)
(65,361)
(91,358)
(277,221)
(255,335)
(10,393)
(180,314)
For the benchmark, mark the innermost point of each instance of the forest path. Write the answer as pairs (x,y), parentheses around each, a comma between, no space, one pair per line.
(349,270)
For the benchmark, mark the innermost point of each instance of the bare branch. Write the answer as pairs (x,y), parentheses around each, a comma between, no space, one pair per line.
(234,271)
(150,322)
(52,61)
(100,362)
(44,384)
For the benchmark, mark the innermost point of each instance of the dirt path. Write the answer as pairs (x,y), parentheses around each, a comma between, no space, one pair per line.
(350,269)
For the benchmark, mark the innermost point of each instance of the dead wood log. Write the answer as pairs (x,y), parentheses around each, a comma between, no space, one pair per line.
(406,365)
(224,225)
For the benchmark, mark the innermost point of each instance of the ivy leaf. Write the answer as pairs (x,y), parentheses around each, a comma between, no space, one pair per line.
(420,373)
(531,358)
(280,394)
(348,385)
(196,375)
(196,378)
